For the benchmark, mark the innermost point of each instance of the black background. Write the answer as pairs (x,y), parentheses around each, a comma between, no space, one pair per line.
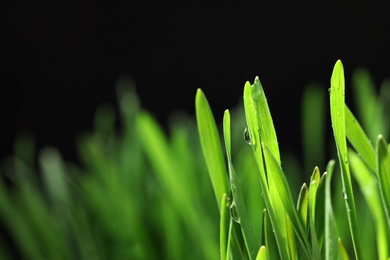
(59,62)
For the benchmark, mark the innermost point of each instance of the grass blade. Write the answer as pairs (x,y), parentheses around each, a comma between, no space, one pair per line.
(238,198)
(262,255)
(330,240)
(314,182)
(264,119)
(337,111)
(319,214)
(211,146)
(266,129)
(276,174)
(383,164)
(359,140)
(369,186)
(253,128)
(302,204)
(224,226)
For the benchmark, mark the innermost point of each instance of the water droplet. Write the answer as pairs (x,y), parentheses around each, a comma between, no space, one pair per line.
(233,211)
(246,136)
(343,193)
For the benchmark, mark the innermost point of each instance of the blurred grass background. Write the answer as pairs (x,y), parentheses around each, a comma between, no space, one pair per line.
(141,192)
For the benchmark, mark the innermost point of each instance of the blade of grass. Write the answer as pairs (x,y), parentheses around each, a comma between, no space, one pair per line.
(337,110)
(211,146)
(224,226)
(266,129)
(383,164)
(238,198)
(302,209)
(369,187)
(320,210)
(262,254)
(330,240)
(251,119)
(359,140)
(302,204)
(291,239)
(264,119)
(314,182)
(276,174)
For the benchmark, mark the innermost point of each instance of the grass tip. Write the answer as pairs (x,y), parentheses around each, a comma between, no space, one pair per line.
(199,91)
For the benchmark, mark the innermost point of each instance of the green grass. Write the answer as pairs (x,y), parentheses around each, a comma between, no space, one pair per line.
(310,230)
(145,193)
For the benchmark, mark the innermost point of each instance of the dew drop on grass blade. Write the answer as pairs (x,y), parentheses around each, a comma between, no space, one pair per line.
(238,210)
(253,128)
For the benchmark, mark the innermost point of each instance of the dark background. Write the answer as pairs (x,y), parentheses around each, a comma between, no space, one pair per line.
(59,62)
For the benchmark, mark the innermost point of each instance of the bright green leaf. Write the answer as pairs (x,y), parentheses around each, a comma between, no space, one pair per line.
(211,146)
(224,226)
(337,111)
(369,186)
(330,240)
(276,174)
(253,128)
(383,164)
(359,140)
(238,198)
(262,254)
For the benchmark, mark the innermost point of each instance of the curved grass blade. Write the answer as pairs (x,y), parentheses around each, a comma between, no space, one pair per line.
(211,146)
(302,209)
(266,129)
(264,119)
(302,204)
(291,239)
(314,182)
(369,186)
(337,111)
(253,128)
(224,226)
(383,164)
(359,140)
(276,174)
(330,240)
(238,198)
(320,210)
